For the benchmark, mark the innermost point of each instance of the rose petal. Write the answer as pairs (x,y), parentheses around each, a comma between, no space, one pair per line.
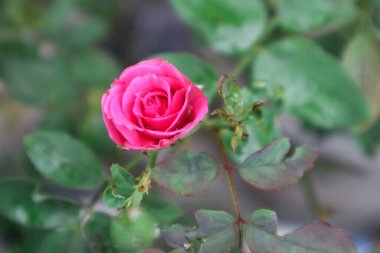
(182,113)
(113,133)
(148,82)
(141,69)
(134,137)
(178,100)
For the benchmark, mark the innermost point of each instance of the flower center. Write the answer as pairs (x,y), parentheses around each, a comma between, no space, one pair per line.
(155,104)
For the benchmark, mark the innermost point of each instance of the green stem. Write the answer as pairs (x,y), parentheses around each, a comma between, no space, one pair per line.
(144,182)
(312,197)
(216,123)
(152,160)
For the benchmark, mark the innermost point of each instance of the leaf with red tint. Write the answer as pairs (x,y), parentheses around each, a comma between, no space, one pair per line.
(269,169)
(218,231)
(186,173)
(319,237)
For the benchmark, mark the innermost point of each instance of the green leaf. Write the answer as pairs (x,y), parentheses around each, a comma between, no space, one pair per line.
(217,230)
(98,230)
(123,181)
(316,88)
(162,211)
(94,69)
(133,230)
(112,200)
(63,242)
(315,238)
(269,169)
(370,139)
(211,222)
(39,82)
(361,59)
(232,96)
(94,133)
(265,220)
(197,70)
(374,17)
(64,160)
(73,29)
(175,235)
(23,204)
(186,173)
(228,26)
(315,15)
(261,130)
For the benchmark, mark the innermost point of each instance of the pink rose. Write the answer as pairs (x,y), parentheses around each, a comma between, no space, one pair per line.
(151,105)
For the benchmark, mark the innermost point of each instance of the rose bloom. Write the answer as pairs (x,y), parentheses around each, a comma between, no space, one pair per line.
(151,105)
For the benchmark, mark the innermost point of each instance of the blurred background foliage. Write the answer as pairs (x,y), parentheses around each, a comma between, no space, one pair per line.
(318,61)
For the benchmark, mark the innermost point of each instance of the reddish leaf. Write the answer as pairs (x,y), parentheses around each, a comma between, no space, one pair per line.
(319,237)
(268,169)
(186,173)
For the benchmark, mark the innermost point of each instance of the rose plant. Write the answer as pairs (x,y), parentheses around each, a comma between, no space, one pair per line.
(137,111)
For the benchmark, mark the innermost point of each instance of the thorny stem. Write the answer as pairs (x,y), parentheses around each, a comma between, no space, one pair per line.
(231,187)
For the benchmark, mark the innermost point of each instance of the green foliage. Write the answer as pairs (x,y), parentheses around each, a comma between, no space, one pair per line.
(119,192)
(217,232)
(133,230)
(232,96)
(123,181)
(186,173)
(23,203)
(58,55)
(175,235)
(113,200)
(63,242)
(94,69)
(97,230)
(370,139)
(197,70)
(268,169)
(361,58)
(374,20)
(317,237)
(162,211)
(64,160)
(315,15)
(316,88)
(260,128)
(265,220)
(41,82)
(64,24)
(230,27)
